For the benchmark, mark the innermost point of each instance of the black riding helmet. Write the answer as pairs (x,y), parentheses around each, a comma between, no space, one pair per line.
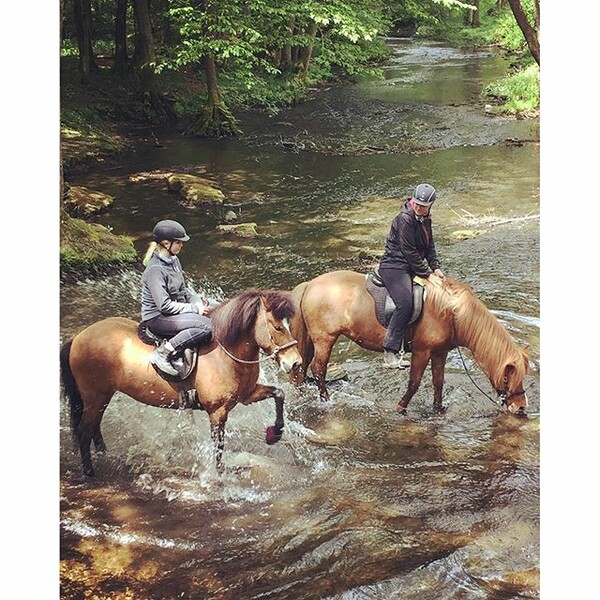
(424,194)
(169,230)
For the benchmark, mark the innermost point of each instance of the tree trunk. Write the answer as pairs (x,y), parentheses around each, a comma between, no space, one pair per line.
(63,18)
(472,18)
(306,51)
(475,19)
(216,120)
(531,33)
(120,64)
(286,54)
(156,108)
(144,53)
(83,25)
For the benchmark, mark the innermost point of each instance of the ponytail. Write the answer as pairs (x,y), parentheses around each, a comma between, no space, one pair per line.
(149,252)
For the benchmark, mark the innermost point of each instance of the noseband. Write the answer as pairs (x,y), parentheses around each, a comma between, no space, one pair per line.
(504,396)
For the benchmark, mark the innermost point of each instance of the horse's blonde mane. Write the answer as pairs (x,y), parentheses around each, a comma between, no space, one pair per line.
(478,329)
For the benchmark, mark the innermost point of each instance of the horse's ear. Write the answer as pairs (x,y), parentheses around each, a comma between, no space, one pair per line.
(509,370)
(264,303)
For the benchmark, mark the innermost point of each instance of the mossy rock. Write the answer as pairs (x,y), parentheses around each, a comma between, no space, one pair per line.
(194,189)
(90,248)
(83,202)
(241,229)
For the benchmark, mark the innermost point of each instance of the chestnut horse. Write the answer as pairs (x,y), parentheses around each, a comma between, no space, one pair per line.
(108,356)
(338,303)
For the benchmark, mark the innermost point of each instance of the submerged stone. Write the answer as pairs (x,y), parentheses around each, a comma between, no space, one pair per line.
(241,229)
(465,234)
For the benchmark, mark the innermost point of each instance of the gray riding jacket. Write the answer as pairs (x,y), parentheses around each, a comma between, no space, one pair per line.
(164,291)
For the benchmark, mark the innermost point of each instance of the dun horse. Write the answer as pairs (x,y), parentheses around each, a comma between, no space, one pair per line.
(338,303)
(108,356)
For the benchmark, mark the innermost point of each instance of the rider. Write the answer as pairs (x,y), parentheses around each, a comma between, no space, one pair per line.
(169,308)
(409,251)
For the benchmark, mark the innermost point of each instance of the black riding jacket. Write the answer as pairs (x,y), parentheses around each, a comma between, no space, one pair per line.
(409,246)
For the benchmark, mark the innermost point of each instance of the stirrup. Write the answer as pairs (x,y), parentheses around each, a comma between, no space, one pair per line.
(396,362)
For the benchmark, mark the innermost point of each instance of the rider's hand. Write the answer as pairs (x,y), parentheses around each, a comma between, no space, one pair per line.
(201,307)
(440,273)
(435,279)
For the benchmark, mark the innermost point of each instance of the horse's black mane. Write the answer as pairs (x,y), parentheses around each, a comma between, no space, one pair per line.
(235,317)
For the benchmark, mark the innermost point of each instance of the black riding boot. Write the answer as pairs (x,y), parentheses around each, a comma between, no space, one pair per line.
(161,358)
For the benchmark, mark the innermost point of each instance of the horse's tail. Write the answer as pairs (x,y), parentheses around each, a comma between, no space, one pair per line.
(70,385)
(300,330)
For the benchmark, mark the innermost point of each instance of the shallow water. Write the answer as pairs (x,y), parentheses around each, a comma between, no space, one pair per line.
(355,502)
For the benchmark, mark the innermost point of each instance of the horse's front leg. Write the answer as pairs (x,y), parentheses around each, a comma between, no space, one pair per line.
(319,365)
(261,392)
(418,365)
(438,365)
(218,419)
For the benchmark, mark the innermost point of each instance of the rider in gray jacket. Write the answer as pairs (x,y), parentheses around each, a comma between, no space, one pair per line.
(169,308)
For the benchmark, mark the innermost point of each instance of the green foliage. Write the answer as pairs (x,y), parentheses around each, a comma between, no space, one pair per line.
(69,48)
(346,59)
(519,93)
(268,91)
(507,33)
(247,42)
(262,48)
(430,17)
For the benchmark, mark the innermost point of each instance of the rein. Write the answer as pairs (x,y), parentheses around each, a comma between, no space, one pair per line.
(273,354)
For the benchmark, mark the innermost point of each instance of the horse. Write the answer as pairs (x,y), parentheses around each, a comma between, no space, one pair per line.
(338,303)
(109,356)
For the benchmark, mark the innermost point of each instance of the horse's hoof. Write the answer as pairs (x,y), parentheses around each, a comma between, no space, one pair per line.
(273,434)
(401,410)
(440,410)
(89,472)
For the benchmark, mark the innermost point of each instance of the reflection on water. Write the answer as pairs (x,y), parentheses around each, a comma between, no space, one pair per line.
(354,502)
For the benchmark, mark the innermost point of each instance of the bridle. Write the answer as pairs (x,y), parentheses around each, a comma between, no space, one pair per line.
(503,395)
(276,348)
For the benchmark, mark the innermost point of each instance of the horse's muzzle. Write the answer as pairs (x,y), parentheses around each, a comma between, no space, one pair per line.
(290,361)
(517,408)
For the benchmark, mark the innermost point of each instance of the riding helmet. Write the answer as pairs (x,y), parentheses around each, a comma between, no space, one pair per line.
(424,194)
(169,230)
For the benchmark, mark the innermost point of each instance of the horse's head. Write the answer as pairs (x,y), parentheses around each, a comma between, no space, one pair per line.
(272,329)
(511,391)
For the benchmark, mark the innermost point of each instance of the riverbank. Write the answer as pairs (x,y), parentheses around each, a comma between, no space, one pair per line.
(101,123)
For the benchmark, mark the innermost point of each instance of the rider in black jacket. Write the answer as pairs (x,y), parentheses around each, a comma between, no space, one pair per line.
(409,251)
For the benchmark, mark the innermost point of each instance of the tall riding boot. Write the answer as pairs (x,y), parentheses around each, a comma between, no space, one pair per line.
(161,359)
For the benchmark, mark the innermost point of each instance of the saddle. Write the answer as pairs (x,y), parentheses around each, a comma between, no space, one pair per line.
(184,364)
(385,306)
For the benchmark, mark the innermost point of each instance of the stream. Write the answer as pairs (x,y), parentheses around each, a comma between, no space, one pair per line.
(355,502)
